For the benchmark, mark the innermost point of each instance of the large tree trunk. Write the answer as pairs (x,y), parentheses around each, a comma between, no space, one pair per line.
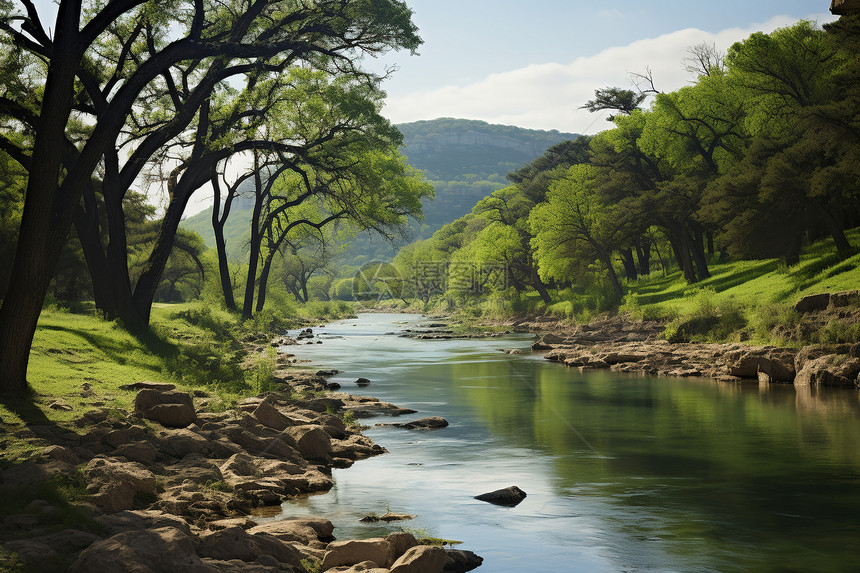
(792,253)
(264,283)
(833,220)
(45,221)
(254,245)
(629,264)
(697,250)
(613,278)
(224,267)
(540,288)
(680,241)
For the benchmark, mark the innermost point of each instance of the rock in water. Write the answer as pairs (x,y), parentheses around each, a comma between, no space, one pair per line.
(509,497)
(429,423)
(362,382)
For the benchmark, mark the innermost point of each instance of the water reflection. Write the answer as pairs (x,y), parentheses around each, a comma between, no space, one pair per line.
(623,473)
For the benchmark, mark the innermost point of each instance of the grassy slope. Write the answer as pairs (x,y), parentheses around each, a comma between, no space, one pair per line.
(71,350)
(755,283)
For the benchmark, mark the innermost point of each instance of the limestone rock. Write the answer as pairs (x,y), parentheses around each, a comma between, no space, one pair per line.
(829,370)
(162,550)
(311,441)
(113,484)
(304,530)
(363,567)
(462,561)
(509,496)
(352,552)
(236,543)
(172,409)
(270,417)
(142,452)
(812,303)
(62,454)
(422,559)
(400,542)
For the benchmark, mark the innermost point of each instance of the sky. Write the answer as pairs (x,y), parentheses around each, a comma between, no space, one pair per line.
(533,64)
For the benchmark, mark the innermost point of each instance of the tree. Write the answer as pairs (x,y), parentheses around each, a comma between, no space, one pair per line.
(794,75)
(573,228)
(104,64)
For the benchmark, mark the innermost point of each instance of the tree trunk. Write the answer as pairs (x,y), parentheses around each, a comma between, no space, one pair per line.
(613,278)
(643,255)
(44,222)
(697,249)
(264,282)
(836,228)
(680,241)
(88,235)
(710,236)
(660,258)
(540,288)
(629,264)
(254,245)
(223,264)
(792,254)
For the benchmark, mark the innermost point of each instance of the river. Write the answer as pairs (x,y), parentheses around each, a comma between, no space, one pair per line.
(622,473)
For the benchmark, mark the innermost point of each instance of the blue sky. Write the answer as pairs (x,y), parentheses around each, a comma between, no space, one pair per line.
(534,63)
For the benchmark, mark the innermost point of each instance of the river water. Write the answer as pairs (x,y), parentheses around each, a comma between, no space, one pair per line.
(622,473)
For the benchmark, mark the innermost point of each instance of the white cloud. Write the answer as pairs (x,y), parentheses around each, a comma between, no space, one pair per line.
(548,96)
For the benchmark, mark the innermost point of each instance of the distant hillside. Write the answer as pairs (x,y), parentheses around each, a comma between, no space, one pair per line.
(450,149)
(465,160)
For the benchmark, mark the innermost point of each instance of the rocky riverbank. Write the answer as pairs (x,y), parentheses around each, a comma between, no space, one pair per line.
(624,345)
(171,486)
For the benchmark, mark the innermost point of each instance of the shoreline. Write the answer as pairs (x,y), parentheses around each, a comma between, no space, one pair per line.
(174,487)
(619,344)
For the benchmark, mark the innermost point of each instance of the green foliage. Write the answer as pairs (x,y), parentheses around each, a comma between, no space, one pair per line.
(262,377)
(707,322)
(9,562)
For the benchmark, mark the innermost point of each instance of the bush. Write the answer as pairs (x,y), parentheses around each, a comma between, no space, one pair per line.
(707,322)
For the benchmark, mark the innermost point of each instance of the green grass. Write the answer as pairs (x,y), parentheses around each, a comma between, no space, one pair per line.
(751,284)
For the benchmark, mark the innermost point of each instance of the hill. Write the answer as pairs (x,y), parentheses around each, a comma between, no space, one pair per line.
(465,160)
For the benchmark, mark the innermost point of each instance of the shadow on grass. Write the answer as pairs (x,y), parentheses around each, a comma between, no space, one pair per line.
(23,405)
(118,351)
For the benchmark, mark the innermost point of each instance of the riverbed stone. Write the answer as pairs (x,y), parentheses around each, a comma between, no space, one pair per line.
(313,531)
(422,559)
(162,550)
(270,417)
(311,441)
(172,409)
(113,484)
(829,370)
(236,543)
(509,496)
(355,551)
(428,423)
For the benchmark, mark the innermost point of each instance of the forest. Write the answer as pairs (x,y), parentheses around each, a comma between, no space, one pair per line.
(757,159)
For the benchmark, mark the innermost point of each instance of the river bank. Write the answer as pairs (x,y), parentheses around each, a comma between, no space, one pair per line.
(622,344)
(172,485)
